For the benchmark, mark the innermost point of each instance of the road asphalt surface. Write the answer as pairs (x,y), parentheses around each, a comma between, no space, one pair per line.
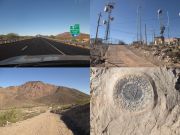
(44,124)
(39,46)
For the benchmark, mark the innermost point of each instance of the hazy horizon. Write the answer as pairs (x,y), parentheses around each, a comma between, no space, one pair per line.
(42,34)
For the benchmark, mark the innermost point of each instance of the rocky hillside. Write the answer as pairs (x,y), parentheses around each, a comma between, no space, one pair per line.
(38,93)
(67,36)
(160,55)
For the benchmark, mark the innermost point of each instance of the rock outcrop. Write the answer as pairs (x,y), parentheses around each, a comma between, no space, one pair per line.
(135,101)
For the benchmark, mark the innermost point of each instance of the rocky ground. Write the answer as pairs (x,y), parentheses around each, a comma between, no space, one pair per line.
(97,54)
(159,54)
(76,117)
(131,101)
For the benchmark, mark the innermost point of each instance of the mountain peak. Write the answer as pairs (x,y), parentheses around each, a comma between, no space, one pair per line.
(38,92)
(33,83)
(29,82)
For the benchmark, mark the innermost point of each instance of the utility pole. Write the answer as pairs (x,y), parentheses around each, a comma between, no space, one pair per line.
(108,9)
(154,36)
(137,23)
(97,30)
(139,29)
(140,24)
(168,27)
(162,27)
(168,23)
(145,35)
(179,41)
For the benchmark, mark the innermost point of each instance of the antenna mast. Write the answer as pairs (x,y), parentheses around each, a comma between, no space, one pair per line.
(108,9)
(97,30)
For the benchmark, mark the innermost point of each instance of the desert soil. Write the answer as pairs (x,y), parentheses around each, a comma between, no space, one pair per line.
(121,56)
(44,124)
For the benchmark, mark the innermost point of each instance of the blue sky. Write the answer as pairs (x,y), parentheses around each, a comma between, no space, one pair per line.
(77,78)
(124,26)
(31,17)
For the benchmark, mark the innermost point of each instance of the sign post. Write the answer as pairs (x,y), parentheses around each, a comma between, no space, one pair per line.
(75,30)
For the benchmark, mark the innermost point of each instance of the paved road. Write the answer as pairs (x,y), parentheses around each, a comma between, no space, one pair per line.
(44,124)
(121,56)
(39,46)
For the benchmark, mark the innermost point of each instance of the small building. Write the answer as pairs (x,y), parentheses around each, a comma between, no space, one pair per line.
(159,40)
(137,42)
(172,41)
(166,41)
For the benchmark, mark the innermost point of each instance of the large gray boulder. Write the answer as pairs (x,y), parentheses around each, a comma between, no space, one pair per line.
(135,101)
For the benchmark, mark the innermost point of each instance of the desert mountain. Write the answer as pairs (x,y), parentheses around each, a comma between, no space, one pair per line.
(38,93)
(67,35)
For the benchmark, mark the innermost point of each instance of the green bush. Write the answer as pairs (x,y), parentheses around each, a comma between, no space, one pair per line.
(82,101)
(10,116)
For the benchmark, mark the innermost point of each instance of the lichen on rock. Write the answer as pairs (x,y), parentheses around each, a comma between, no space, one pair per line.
(130,101)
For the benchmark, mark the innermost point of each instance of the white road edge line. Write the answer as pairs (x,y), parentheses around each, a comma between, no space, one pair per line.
(24,48)
(54,47)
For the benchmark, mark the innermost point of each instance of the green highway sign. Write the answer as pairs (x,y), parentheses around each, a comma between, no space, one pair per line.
(75,30)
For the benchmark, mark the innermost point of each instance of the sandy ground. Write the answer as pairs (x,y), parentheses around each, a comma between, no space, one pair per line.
(121,56)
(44,124)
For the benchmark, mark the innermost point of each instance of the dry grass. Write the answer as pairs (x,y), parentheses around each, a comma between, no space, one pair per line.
(15,115)
(12,116)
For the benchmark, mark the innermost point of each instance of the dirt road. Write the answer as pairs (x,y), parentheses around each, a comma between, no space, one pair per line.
(44,124)
(121,56)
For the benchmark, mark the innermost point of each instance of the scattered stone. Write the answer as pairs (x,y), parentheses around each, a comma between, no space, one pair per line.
(169,55)
(98,54)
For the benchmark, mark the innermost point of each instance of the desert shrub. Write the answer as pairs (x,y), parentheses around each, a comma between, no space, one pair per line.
(10,116)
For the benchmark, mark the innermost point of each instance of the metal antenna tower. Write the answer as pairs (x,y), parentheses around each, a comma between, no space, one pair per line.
(162,27)
(98,24)
(168,23)
(108,9)
(137,23)
(140,29)
(145,34)
(139,26)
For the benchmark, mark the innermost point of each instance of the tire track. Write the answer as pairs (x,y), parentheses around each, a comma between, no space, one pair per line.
(44,124)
